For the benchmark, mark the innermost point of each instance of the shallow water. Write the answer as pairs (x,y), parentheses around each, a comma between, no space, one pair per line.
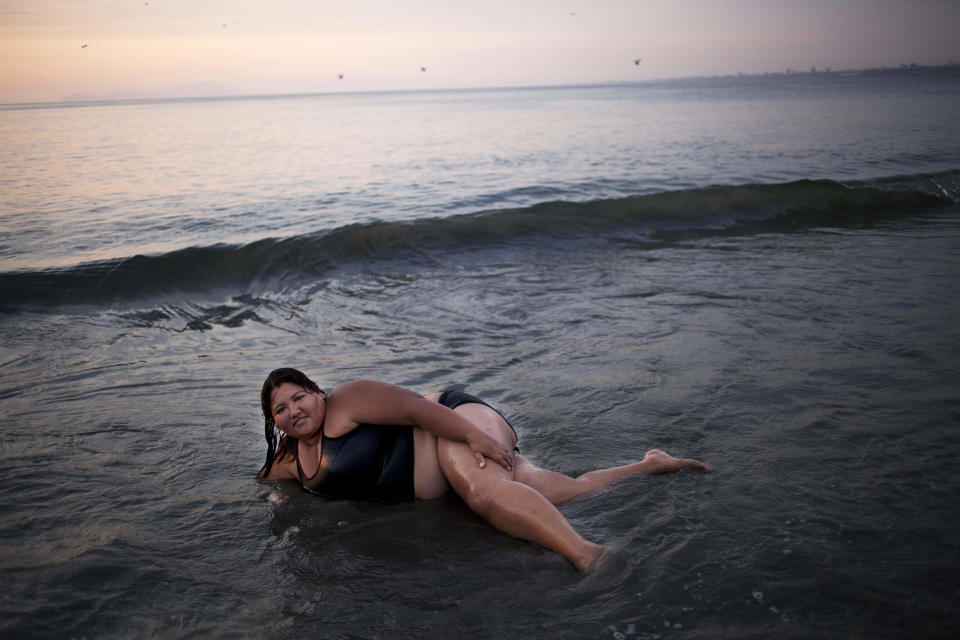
(803,339)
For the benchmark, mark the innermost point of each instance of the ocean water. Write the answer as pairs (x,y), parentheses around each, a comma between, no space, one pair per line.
(758,272)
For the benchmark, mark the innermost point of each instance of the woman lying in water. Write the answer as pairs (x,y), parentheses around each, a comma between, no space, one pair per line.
(369,440)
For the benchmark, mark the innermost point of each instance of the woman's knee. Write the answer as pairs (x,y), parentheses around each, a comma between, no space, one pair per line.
(480,497)
(477,492)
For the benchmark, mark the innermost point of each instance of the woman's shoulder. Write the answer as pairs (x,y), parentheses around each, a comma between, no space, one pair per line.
(357,386)
(365,390)
(365,401)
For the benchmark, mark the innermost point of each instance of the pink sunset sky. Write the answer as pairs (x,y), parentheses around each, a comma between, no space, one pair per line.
(55,48)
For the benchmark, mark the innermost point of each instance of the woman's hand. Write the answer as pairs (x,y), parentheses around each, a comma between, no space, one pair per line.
(484,446)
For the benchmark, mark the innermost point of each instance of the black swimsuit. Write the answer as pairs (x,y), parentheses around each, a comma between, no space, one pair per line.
(372,462)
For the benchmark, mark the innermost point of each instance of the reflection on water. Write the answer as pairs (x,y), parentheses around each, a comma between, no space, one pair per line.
(811,360)
(111,180)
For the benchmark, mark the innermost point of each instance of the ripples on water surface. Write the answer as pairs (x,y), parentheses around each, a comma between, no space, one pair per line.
(112,180)
(801,337)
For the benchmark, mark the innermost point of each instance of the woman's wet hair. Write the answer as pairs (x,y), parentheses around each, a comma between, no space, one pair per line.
(279,446)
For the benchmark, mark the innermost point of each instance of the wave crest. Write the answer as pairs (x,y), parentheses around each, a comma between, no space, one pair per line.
(275,264)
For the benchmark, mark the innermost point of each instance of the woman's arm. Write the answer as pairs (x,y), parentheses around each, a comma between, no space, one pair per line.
(371,402)
(283,468)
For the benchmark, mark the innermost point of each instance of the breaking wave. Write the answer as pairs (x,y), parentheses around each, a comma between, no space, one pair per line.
(274,264)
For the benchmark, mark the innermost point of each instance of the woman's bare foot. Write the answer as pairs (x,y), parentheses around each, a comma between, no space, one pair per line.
(610,562)
(657,461)
(599,561)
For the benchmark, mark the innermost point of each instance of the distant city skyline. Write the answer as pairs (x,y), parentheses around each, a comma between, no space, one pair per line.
(165,48)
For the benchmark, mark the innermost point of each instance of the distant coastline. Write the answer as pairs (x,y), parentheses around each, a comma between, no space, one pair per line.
(938,70)
(212,90)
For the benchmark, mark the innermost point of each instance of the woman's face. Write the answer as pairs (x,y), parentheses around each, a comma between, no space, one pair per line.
(298,412)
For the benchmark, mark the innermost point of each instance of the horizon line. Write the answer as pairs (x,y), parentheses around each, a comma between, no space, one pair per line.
(81,99)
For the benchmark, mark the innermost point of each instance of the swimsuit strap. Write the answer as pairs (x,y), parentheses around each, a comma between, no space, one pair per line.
(299,468)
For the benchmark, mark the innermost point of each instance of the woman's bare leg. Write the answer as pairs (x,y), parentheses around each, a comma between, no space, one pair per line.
(561,489)
(513,507)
